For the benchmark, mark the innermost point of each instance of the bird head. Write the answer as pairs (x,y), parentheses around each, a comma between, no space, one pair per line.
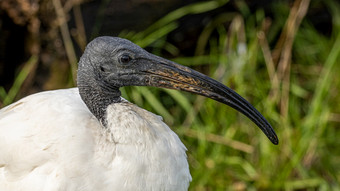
(109,63)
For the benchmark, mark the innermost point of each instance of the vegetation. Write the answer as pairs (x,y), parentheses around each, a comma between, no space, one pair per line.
(284,66)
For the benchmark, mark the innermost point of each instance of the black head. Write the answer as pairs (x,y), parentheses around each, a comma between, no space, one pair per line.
(109,63)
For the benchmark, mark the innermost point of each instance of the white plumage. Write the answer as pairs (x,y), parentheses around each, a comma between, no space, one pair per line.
(89,138)
(73,152)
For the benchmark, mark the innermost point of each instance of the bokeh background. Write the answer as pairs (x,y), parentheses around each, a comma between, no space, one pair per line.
(282,56)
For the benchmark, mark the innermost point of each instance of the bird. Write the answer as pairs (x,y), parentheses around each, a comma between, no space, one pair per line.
(90,138)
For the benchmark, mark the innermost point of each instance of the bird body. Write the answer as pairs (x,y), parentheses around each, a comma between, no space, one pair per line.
(73,152)
(90,138)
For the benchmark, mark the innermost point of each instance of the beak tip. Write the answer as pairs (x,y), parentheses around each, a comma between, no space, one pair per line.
(270,133)
(273,138)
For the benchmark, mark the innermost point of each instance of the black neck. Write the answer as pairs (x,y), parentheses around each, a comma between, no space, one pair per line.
(93,90)
(97,100)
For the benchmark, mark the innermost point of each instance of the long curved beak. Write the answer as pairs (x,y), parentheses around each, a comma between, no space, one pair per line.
(159,72)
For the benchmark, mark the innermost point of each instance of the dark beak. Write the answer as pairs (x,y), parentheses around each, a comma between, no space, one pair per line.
(159,72)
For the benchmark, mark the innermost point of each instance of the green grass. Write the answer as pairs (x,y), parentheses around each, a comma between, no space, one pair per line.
(226,151)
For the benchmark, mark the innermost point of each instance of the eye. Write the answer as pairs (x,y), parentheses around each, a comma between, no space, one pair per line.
(125,58)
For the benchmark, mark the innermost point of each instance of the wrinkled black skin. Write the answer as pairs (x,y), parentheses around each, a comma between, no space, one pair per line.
(100,69)
(103,70)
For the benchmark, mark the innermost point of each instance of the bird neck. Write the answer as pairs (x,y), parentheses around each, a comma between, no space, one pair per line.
(97,100)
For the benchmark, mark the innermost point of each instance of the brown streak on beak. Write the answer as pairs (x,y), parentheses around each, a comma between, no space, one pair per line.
(167,74)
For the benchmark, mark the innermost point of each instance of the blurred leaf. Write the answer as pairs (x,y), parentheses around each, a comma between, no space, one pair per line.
(157,34)
(180,99)
(298,91)
(168,23)
(303,184)
(19,80)
(3,93)
(194,8)
(155,103)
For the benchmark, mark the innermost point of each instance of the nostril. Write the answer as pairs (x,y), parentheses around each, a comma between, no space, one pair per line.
(147,80)
(102,69)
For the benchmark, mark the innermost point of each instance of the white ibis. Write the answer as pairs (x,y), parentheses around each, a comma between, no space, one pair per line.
(90,138)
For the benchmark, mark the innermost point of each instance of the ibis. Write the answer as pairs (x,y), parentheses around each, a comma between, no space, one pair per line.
(89,138)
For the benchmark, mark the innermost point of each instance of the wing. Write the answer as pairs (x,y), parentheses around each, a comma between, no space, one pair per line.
(46,142)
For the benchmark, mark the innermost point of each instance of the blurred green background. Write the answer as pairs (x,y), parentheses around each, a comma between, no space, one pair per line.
(282,56)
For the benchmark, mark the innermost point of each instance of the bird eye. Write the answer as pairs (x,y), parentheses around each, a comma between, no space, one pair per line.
(125,58)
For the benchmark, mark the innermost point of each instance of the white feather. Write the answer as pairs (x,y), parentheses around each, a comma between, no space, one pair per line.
(51,141)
